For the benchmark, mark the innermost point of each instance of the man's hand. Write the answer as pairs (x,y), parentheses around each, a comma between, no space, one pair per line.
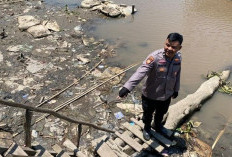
(123,92)
(174,95)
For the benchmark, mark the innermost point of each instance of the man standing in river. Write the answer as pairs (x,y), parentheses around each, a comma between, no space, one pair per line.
(162,70)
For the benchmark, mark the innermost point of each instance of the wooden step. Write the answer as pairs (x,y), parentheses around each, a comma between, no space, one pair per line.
(156,146)
(15,150)
(130,141)
(60,152)
(68,144)
(105,151)
(157,135)
(118,150)
(41,151)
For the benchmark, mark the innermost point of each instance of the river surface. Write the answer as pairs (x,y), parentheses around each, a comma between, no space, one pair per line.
(207,29)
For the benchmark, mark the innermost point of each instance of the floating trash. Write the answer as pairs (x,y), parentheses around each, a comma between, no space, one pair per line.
(25,96)
(78,29)
(34,133)
(101,66)
(119,115)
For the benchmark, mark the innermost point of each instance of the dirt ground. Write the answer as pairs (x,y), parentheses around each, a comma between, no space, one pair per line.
(61,66)
(58,56)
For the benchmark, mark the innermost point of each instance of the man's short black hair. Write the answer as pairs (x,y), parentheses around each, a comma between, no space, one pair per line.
(175,37)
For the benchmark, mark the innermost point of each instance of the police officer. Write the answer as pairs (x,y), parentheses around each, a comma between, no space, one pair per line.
(162,70)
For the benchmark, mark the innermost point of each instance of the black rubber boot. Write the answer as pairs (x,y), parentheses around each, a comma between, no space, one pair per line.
(146,135)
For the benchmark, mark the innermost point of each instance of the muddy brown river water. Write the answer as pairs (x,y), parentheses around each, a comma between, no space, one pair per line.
(206,27)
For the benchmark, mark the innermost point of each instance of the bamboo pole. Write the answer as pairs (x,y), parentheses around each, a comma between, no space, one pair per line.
(80,96)
(74,83)
(27,128)
(51,112)
(221,133)
(84,93)
(79,135)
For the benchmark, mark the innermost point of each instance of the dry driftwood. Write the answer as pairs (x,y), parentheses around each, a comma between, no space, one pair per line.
(186,106)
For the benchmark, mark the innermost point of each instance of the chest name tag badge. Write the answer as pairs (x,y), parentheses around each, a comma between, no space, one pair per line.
(162,69)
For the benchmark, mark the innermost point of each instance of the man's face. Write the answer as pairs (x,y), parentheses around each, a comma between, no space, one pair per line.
(170,48)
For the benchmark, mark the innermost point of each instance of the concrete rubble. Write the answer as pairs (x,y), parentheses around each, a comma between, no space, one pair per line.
(108,8)
(36,27)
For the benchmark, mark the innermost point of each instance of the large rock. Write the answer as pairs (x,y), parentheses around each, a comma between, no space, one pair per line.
(38,31)
(27,21)
(90,3)
(109,8)
(112,10)
(127,10)
(52,25)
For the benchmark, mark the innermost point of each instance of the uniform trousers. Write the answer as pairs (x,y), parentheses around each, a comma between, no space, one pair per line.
(149,106)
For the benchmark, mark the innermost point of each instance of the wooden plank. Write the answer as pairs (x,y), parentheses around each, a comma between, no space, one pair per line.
(130,141)
(15,150)
(157,135)
(105,151)
(41,151)
(125,148)
(60,152)
(68,144)
(140,123)
(29,151)
(156,146)
(117,149)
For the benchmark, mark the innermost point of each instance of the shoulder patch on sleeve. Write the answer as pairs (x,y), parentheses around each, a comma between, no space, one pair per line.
(150,60)
(177,60)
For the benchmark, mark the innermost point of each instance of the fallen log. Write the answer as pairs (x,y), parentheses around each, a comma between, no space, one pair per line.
(192,102)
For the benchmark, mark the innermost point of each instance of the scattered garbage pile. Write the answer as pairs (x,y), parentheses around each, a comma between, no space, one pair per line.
(44,50)
(109,8)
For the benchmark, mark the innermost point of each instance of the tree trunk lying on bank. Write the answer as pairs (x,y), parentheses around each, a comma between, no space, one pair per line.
(186,106)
